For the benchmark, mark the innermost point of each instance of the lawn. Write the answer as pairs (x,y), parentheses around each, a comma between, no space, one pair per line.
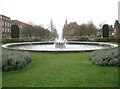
(61,70)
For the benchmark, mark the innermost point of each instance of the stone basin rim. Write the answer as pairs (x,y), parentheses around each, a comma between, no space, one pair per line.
(8,46)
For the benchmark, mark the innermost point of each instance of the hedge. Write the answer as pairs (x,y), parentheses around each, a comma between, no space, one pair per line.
(83,38)
(12,60)
(106,39)
(15,40)
(109,57)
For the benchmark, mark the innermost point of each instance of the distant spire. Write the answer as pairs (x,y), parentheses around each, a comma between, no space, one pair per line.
(51,25)
(65,25)
(51,21)
(66,22)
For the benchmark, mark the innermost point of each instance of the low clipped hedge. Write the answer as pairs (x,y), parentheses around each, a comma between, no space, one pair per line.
(106,39)
(16,40)
(12,60)
(83,38)
(109,57)
(12,40)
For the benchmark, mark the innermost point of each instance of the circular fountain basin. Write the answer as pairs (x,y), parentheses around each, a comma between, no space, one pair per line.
(71,46)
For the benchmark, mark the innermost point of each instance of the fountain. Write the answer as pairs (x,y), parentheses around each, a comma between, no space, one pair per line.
(60,42)
(59,45)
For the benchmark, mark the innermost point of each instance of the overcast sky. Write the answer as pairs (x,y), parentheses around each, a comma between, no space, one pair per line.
(40,12)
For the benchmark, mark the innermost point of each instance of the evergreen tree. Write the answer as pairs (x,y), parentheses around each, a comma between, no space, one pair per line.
(15,31)
(105,29)
(116,24)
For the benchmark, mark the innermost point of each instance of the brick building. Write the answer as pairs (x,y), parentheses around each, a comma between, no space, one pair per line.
(20,25)
(6,26)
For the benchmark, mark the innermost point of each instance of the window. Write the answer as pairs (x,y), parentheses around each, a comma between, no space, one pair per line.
(4,30)
(9,25)
(5,23)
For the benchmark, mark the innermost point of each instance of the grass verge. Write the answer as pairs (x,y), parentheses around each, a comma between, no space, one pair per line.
(61,70)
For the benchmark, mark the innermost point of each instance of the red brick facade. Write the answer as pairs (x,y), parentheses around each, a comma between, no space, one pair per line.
(20,24)
(6,27)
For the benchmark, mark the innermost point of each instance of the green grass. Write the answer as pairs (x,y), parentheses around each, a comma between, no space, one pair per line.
(61,70)
(0,79)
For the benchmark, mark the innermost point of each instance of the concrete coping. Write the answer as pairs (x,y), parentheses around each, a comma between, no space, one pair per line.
(7,46)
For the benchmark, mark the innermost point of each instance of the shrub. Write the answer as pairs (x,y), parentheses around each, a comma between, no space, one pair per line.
(12,40)
(83,38)
(106,39)
(108,57)
(15,40)
(14,59)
